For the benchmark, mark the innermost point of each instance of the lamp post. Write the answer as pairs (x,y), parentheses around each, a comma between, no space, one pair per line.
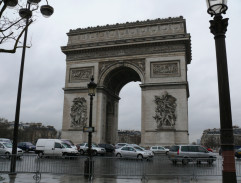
(91,92)
(24,13)
(218,27)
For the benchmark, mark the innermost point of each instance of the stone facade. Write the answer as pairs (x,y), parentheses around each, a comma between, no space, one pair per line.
(154,52)
(27,132)
(129,136)
(211,137)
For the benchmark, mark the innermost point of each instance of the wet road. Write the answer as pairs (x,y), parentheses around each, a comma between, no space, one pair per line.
(109,165)
(59,169)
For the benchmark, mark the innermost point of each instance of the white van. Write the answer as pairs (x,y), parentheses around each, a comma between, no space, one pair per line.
(54,147)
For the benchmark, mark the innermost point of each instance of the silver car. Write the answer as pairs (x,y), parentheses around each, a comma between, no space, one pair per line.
(190,153)
(95,149)
(139,148)
(131,152)
(6,150)
(159,150)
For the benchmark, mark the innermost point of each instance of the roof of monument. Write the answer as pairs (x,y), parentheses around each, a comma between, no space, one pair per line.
(126,25)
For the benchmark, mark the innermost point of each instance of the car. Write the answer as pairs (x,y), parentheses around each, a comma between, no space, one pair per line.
(131,152)
(26,146)
(108,147)
(118,145)
(190,153)
(159,150)
(6,150)
(5,140)
(139,148)
(83,148)
(238,153)
(54,147)
(67,141)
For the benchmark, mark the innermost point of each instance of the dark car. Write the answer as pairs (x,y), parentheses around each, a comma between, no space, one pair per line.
(108,147)
(238,153)
(26,146)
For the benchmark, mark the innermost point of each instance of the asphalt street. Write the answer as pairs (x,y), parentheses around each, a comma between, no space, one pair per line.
(160,168)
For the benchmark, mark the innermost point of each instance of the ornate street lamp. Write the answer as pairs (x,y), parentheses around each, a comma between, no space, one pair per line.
(88,164)
(218,28)
(25,13)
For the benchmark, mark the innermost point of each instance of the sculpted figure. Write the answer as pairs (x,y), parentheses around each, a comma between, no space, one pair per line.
(78,113)
(165,110)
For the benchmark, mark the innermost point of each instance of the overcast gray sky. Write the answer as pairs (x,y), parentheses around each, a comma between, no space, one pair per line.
(44,74)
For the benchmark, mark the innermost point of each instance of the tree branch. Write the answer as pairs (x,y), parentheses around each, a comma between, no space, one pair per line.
(3,9)
(11,25)
(16,42)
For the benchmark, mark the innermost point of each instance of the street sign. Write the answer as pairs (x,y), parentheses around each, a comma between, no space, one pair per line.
(88,129)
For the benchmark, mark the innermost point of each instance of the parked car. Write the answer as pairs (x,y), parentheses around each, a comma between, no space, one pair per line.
(6,150)
(190,153)
(83,148)
(238,153)
(118,145)
(131,152)
(5,140)
(67,141)
(139,148)
(26,146)
(159,150)
(54,147)
(108,147)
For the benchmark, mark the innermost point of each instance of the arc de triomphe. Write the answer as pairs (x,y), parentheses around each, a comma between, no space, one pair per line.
(154,52)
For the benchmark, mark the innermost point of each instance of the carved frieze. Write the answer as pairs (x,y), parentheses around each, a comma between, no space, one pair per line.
(78,113)
(165,110)
(80,74)
(125,51)
(165,69)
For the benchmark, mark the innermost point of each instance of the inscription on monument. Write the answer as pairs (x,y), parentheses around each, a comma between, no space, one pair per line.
(165,69)
(165,110)
(80,74)
(78,113)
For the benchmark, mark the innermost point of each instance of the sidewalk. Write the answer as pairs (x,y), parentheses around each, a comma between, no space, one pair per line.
(50,178)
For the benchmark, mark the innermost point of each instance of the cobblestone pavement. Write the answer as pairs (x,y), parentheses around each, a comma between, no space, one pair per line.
(50,178)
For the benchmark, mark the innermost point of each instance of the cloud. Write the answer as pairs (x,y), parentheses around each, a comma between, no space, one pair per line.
(44,74)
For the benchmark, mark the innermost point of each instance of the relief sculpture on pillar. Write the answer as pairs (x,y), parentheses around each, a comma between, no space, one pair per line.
(78,113)
(165,110)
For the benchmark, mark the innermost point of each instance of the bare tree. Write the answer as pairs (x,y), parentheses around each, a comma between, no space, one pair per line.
(12,27)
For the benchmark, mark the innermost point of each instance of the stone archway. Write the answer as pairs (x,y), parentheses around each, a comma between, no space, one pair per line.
(113,78)
(154,52)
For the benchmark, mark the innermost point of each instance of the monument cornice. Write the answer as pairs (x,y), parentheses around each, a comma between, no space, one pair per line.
(158,86)
(111,43)
(77,52)
(126,25)
(149,85)
(84,89)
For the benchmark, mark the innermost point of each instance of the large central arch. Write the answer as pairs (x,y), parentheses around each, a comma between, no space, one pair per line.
(155,52)
(112,80)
